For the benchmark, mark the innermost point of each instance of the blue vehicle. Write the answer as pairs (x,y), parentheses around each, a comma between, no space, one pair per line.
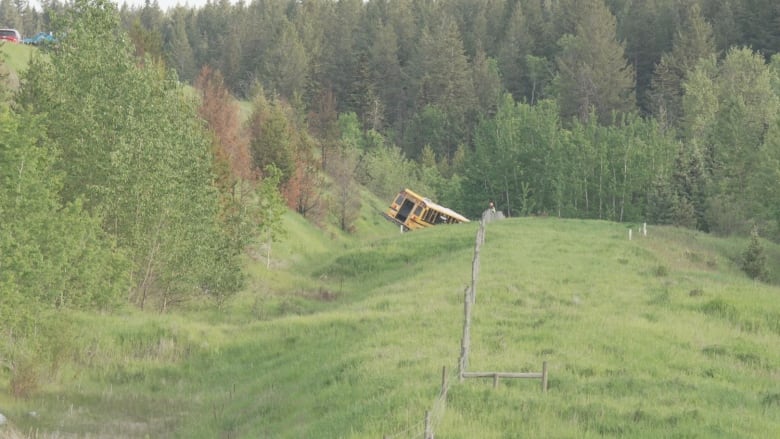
(40,38)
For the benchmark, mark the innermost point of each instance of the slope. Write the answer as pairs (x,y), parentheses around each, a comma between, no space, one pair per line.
(656,337)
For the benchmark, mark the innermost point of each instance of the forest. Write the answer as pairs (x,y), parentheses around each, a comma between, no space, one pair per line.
(119,184)
(659,110)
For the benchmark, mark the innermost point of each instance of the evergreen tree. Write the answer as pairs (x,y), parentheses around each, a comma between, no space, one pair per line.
(592,71)
(443,82)
(340,52)
(692,42)
(647,27)
(272,139)
(514,48)
(387,74)
(177,45)
(758,24)
(284,70)
(661,202)
(689,180)
(487,83)
(754,259)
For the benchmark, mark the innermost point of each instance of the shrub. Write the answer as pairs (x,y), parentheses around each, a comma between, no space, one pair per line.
(754,259)
(24,377)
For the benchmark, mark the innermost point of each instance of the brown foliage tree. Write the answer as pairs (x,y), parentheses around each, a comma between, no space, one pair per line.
(236,177)
(221,112)
(323,122)
(302,191)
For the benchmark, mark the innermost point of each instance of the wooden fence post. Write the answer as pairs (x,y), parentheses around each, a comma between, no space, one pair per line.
(466,340)
(544,376)
(427,433)
(475,262)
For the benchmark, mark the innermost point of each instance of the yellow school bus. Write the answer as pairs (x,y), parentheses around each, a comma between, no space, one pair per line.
(412,211)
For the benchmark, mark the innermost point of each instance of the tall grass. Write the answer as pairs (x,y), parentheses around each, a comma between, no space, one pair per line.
(656,337)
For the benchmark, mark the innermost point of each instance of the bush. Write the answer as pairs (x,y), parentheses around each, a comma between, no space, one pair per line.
(754,259)
(24,377)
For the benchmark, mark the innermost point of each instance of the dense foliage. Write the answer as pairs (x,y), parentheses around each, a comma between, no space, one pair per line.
(684,94)
(113,190)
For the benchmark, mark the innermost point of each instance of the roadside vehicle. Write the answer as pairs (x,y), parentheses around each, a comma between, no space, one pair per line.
(39,38)
(412,211)
(11,35)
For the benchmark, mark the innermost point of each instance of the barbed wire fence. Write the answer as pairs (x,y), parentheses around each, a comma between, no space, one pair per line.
(435,415)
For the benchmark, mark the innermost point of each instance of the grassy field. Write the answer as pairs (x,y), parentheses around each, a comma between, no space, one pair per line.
(13,60)
(346,338)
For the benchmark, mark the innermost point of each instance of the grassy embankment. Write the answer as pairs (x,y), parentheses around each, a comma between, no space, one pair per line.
(656,337)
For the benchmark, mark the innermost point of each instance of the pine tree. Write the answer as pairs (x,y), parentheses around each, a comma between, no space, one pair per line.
(515,46)
(693,41)
(272,139)
(689,182)
(592,72)
(754,261)
(661,202)
(177,46)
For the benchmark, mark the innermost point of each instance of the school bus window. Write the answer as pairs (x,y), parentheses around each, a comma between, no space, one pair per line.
(418,211)
(400,199)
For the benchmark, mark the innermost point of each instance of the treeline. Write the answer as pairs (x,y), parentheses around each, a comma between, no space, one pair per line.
(653,110)
(650,110)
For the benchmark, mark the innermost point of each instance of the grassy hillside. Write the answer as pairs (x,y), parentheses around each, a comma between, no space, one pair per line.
(13,60)
(655,337)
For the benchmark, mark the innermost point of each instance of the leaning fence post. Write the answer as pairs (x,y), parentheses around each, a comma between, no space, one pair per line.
(544,376)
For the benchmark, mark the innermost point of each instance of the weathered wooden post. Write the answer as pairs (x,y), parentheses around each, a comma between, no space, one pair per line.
(466,340)
(427,434)
(475,262)
(544,376)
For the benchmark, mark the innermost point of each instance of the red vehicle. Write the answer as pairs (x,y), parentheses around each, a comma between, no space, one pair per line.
(11,35)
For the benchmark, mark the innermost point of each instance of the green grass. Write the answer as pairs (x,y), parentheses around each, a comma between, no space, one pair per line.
(656,337)
(16,56)
(345,336)
(634,351)
(13,60)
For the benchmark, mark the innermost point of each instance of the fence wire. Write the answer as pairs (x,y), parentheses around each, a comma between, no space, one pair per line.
(435,416)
